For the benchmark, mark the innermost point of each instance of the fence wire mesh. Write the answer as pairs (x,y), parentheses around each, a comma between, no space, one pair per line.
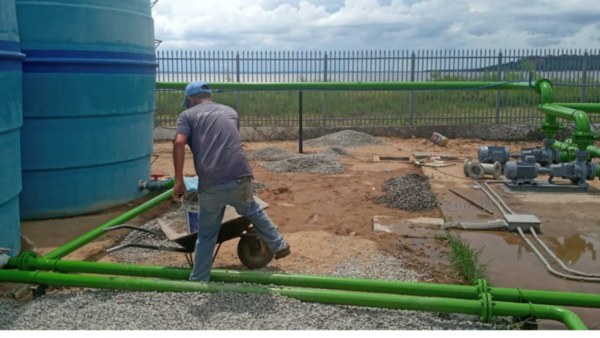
(574,73)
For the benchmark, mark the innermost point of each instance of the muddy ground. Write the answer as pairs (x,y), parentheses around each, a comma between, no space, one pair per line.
(328,219)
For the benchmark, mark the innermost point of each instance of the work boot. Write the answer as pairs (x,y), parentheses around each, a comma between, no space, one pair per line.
(283,252)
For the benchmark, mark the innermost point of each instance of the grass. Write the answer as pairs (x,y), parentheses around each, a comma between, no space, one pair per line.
(381,108)
(464,260)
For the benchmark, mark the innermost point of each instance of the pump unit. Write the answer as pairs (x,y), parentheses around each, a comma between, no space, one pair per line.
(545,156)
(578,171)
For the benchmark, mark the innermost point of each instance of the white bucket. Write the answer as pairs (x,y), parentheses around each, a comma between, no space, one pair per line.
(190,206)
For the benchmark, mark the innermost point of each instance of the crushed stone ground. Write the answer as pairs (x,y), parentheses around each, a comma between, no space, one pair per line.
(124,310)
(315,165)
(345,139)
(411,192)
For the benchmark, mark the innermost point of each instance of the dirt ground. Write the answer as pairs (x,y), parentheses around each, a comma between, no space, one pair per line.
(329,219)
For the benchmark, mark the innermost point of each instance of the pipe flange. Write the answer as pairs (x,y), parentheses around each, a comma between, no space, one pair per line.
(476,171)
(486,308)
(482,286)
(468,163)
(485,299)
(497,170)
(24,260)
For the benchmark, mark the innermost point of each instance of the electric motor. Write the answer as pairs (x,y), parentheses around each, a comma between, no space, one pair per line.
(522,172)
(493,154)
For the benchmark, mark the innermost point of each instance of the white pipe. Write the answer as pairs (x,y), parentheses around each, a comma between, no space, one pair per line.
(490,225)
(587,279)
(558,259)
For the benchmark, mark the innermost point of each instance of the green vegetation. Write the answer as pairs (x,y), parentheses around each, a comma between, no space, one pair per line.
(350,108)
(465,260)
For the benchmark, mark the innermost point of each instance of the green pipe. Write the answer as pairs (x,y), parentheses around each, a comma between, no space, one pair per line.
(353,86)
(582,136)
(586,107)
(92,235)
(581,119)
(29,262)
(485,308)
(567,151)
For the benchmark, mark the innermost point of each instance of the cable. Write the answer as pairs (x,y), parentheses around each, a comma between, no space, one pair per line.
(558,259)
(445,173)
(576,85)
(535,250)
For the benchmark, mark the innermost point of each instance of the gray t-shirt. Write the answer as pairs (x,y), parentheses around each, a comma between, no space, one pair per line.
(213,136)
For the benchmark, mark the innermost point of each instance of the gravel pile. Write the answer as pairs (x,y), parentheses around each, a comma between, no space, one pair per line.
(345,139)
(271,154)
(411,192)
(315,164)
(123,310)
(324,162)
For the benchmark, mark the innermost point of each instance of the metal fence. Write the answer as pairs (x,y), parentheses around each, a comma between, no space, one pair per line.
(574,72)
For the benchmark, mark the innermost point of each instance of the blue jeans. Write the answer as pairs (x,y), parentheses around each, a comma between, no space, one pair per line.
(212,203)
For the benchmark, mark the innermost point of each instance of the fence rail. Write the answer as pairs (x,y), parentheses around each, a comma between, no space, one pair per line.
(573,71)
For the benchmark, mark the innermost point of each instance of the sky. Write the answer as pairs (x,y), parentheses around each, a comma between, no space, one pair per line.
(327,25)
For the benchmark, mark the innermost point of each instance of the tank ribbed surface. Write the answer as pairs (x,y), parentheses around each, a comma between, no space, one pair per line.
(88,103)
(11,120)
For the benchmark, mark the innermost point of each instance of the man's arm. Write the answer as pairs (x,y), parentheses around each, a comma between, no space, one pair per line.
(183,132)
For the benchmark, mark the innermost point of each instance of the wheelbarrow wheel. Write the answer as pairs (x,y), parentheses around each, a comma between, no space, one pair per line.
(254,252)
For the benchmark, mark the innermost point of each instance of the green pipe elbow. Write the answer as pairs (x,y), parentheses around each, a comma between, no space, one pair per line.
(544,88)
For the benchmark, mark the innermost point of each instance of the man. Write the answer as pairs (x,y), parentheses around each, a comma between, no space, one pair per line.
(224,175)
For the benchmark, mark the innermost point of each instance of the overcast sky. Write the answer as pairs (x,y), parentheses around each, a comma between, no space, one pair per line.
(376,24)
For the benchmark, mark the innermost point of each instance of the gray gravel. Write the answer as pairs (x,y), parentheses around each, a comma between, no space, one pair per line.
(257,187)
(345,139)
(411,192)
(124,310)
(316,165)
(324,162)
(271,154)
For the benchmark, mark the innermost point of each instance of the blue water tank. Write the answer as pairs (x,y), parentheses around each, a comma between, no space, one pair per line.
(88,102)
(11,119)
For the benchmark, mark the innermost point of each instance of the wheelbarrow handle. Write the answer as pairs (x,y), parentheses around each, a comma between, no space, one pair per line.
(146,246)
(132,227)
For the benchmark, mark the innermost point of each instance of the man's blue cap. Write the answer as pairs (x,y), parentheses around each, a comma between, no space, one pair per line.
(194,88)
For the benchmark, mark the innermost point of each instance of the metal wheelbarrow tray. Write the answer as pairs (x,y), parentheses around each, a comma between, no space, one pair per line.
(252,250)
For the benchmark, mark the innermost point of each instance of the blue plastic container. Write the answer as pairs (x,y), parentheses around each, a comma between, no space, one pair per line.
(89,98)
(11,120)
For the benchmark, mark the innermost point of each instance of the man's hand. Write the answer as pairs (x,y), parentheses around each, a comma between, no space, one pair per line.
(178,189)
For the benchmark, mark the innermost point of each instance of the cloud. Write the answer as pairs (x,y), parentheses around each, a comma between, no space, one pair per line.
(375,24)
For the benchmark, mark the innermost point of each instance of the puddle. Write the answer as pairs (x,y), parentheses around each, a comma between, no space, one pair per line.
(575,248)
(512,264)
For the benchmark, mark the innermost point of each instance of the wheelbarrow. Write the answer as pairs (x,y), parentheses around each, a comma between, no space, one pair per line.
(252,250)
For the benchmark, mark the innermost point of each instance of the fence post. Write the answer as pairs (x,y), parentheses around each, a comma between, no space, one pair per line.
(498,92)
(325,92)
(237,79)
(584,76)
(300,122)
(412,79)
